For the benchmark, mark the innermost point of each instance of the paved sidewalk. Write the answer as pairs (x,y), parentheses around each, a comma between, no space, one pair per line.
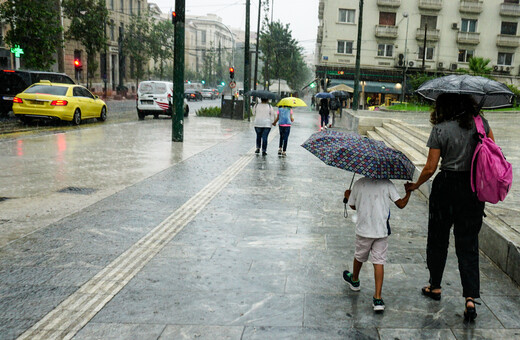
(235,246)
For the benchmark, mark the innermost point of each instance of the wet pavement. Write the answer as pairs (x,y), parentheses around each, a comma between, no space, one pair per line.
(207,240)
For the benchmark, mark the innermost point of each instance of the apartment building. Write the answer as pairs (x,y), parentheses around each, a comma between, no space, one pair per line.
(409,36)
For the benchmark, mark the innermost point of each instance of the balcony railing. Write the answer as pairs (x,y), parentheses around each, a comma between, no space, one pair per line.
(509,9)
(383,31)
(472,7)
(469,38)
(504,40)
(432,35)
(430,4)
(389,3)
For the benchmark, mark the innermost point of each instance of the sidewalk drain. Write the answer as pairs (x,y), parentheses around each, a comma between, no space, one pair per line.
(77,190)
(4,198)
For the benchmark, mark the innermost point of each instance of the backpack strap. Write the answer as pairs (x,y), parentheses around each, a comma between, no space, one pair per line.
(480,126)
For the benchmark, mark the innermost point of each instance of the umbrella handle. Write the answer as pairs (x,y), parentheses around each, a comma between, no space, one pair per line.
(345,211)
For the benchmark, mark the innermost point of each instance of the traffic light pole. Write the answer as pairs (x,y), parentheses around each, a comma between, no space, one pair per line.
(247,63)
(355,104)
(178,72)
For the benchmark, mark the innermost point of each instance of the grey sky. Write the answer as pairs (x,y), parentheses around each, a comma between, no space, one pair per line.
(301,15)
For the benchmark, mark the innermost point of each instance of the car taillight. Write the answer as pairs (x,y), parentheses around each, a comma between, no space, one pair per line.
(10,71)
(59,103)
(17,100)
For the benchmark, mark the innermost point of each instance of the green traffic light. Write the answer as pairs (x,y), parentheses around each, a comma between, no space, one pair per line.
(203,82)
(223,83)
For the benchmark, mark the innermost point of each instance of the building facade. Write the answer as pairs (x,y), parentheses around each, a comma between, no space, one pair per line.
(407,36)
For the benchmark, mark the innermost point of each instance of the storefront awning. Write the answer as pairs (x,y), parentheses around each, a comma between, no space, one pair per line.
(371,86)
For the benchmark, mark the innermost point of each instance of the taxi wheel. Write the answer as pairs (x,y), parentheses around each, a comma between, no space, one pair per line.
(76,119)
(103,114)
(140,114)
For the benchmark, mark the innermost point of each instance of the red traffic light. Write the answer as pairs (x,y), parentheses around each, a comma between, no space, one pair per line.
(77,63)
(231,72)
(174,17)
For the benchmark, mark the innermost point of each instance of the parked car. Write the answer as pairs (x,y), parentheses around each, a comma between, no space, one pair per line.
(155,98)
(56,101)
(208,94)
(193,95)
(13,82)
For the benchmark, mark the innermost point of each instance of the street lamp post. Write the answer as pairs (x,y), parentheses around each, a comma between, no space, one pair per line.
(403,90)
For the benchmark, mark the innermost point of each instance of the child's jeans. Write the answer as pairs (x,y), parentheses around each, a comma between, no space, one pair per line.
(284,136)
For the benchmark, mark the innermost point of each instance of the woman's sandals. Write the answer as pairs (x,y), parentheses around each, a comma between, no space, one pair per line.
(428,291)
(470,313)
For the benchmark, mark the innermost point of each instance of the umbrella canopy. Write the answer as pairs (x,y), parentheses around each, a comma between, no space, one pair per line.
(291,101)
(324,95)
(489,94)
(262,94)
(341,87)
(340,94)
(360,155)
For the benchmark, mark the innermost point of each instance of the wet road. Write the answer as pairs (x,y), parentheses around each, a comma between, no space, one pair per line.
(43,166)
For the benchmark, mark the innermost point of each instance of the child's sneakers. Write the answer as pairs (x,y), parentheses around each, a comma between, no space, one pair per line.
(354,285)
(378,304)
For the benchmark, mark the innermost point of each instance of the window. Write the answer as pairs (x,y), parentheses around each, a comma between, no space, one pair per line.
(130,7)
(429,53)
(112,31)
(468,25)
(203,37)
(505,59)
(385,50)
(387,18)
(345,47)
(511,1)
(111,4)
(122,3)
(347,15)
(508,28)
(465,55)
(429,20)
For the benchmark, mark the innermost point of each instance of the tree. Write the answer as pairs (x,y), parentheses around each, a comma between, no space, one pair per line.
(35,26)
(478,67)
(88,18)
(136,44)
(282,55)
(161,45)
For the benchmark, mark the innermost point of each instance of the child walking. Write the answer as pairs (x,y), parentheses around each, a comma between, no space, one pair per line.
(371,198)
(284,120)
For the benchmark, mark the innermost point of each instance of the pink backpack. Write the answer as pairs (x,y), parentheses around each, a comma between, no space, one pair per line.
(491,174)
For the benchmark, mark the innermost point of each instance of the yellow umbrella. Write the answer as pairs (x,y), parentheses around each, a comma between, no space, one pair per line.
(291,101)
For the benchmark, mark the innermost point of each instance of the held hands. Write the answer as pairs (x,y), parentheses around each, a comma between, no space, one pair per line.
(410,186)
(347,195)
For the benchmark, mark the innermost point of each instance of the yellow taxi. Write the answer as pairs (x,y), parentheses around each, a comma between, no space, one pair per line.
(69,102)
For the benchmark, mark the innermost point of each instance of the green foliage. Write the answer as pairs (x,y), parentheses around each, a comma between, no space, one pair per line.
(282,55)
(209,112)
(136,44)
(410,107)
(35,26)
(160,46)
(418,79)
(516,92)
(478,67)
(87,18)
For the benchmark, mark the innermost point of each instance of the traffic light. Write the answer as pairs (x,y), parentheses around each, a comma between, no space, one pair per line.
(203,82)
(174,17)
(77,65)
(232,72)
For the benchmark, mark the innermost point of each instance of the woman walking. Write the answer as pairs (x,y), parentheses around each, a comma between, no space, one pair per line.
(324,113)
(284,119)
(264,117)
(452,202)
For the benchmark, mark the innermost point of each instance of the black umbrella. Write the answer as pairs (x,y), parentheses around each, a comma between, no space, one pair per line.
(262,94)
(340,94)
(489,94)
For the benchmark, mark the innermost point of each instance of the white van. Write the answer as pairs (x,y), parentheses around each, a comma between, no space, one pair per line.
(154,98)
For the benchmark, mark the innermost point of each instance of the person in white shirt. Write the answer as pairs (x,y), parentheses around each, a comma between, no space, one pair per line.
(264,118)
(371,198)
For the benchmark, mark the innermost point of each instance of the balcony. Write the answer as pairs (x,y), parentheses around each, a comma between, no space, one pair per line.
(468,38)
(383,31)
(471,7)
(504,40)
(510,10)
(432,35)
(431,5)
(389,3)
